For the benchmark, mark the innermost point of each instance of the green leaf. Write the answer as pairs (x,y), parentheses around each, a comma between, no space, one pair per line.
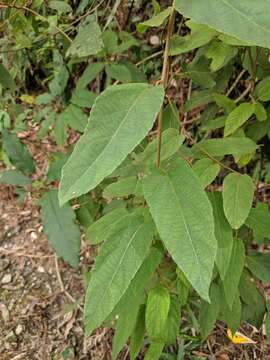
(260,111)
(234,272)
(171,328)
(222,147)
(83,98)
(119,72)
(56,163)
(156,20)
(116,265)
(122,187)
(85,45)
(6,79)
(259,221)
(130,110)
(170,143)
(201,36)
(262,90)
(129,304)
(157,309)
(154,351)
(186,223)
(89,74)
(136,289)
(14,177)
(238,117)
(238,191)
(259,265)
(223,233)
(206,170)
(60,6)
(267,327)
(253,303)
(237,19)
(232,317)
(124,327)
(100,229)
(220,54)
(136,339)
(17,152)
(209,312)
(170,116)
(201,77)
(74,117)
(63,234)
(199,98)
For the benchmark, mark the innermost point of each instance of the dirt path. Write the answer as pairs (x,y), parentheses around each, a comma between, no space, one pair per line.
(40,297)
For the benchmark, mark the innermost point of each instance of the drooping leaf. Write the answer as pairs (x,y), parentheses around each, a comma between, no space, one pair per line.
(63,234)
(116,265)
(85,45)
(128,307)
(209,311)
(232,317)
(171,328)
(6,79)
(100,229)
(154,351)
(238,117)
(136,339)
(222,147)
(259,265)
(223,234)
(14,177)
(130,111)
(234,272)
(206,170)
(237,19)
(253,303)
(238,191)
(157,309)
(124,327)
(184,219)
(17,152)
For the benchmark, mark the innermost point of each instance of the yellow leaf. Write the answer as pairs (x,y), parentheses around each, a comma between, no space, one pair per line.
(27,99)
(239,338)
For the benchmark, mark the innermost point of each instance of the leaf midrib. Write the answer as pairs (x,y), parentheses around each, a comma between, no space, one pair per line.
(112,138)
(186,226)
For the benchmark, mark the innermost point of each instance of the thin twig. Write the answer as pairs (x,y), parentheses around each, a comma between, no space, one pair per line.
(244,93)
(164,78)
(62,285)
(149,58)
(236,82)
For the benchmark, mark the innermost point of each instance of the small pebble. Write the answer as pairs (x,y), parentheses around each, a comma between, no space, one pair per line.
(6,279)
(33,235)
(18,329)
(154,40)
(41,269)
